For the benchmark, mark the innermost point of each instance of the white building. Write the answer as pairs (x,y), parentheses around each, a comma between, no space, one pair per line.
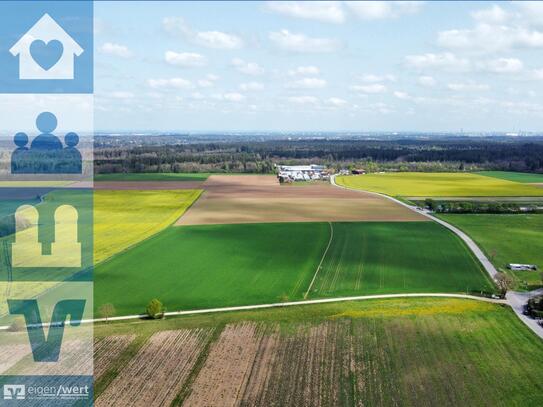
(522,267)
(289,173)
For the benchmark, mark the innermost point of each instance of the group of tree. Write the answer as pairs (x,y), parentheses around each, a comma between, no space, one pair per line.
(154,310)
(129,154)
(479,207)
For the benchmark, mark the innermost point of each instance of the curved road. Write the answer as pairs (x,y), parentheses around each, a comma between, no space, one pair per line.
(515,300)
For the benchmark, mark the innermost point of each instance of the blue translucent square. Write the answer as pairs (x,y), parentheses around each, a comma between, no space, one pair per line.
(46,47)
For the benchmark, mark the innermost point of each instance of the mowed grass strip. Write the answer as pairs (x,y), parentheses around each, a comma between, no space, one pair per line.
(397,257)
(123,218)
(437,185)
(155,176)
(213,266)
(506,239)
(408,352)
(522,177)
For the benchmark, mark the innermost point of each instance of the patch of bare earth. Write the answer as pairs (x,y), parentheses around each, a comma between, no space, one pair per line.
(106,350)
(260,198)
(10,354)
(305,368)
(223,377)
(156,374)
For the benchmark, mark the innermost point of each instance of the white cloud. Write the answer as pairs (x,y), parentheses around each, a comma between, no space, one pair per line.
(401,95)
(118,95)
(218,40)
(427,81)
(337,102)
(488,38)
(208,81)
(210,39)
(370,78)
(172,83)
(251,86)
(531,12)
(325,11)
(379,10)
(233,97)
(498,30)
(538,74)
(248,68)
(185,59)
(446,61)
(373,88)
(296,42)
(303,100)
(494,15)
(204,83)
(304,70)
(307,83)
(502,65)
(467,87)
(118,50)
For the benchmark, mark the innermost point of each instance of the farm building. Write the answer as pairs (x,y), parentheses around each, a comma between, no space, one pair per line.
(522,267)
(289,173)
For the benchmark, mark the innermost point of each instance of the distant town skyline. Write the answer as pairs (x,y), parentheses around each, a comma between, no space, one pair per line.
(319,66)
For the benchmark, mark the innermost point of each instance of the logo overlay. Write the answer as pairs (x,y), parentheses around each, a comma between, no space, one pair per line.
(46,203)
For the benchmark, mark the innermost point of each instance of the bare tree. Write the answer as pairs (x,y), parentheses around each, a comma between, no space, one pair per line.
(504,282)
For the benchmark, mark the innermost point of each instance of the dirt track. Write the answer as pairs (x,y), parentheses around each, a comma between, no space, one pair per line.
(260,198)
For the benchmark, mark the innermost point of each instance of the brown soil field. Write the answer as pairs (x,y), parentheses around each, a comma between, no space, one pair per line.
(147,185)
(10,354)
(261,199)
(106,350)
(224,375)
(156,374)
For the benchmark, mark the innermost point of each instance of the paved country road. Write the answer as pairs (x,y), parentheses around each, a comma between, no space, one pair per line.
(515,299)
(291,304)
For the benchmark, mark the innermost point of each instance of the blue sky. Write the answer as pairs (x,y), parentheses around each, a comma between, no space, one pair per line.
(318,66)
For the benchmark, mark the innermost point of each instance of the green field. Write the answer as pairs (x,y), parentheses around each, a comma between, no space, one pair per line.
(396,257)
(506,239)
(155,176)
(408,352)
(522,177)
(213,266)
(123,218)
(226,265)
(437,185)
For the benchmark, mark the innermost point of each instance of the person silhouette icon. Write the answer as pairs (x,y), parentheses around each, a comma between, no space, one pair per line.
(46,154)
(46,122)
(71,155)
(18,156)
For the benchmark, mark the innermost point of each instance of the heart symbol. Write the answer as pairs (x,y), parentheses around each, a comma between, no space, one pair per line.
(47,54)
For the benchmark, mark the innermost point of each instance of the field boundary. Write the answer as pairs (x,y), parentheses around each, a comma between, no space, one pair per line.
(322,259)
(288,304)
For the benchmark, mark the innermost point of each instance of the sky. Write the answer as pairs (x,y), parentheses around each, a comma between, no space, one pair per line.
(319,66)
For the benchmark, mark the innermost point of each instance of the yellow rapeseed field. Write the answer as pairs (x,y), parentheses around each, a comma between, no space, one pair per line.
(123,218)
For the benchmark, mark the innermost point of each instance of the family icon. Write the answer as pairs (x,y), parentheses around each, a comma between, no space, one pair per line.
(46,154)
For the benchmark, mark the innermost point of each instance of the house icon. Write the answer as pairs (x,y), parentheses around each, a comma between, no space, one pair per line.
(46,51)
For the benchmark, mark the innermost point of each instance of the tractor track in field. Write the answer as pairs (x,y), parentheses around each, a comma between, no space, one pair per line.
(512,297)
(322,259)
